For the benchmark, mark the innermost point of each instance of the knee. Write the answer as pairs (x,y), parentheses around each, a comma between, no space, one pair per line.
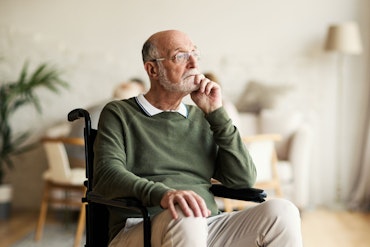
(188,226)
(286,218)
(284,213)
(167,231)
(282,208)
(187,231)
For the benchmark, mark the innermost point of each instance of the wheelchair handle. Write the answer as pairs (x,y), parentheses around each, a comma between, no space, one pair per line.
(82,113)
(79,113)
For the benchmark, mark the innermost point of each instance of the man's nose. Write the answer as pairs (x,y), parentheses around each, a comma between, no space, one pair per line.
(192,62)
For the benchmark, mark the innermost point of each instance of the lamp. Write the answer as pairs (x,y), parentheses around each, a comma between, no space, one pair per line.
(343,39)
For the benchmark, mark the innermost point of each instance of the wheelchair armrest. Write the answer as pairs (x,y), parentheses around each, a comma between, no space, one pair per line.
(126,203)
(245,194)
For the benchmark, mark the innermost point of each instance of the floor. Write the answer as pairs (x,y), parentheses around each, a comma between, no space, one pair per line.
(320,227)
(335,228)
(19,225)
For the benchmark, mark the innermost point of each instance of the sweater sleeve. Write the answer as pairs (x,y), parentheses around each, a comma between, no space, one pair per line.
(234,165)
(111,177)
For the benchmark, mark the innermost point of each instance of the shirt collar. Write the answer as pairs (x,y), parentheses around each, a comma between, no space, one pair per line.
(151,110)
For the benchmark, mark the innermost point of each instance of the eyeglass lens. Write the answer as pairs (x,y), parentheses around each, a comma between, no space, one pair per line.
(183,57)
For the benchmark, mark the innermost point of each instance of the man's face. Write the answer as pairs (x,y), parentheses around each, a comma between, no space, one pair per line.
(184,84)
(177,71)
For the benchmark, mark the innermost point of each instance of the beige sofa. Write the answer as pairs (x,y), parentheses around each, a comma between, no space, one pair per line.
(294,151)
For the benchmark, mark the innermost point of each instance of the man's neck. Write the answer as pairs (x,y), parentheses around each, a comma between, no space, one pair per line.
(164,101)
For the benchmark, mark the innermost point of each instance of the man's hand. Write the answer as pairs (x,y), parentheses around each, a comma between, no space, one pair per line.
(208,97)
(190,203)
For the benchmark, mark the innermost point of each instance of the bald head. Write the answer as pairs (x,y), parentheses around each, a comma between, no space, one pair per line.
(163,42)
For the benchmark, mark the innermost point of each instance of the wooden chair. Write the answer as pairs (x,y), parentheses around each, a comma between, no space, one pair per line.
(262,150)
(60,177)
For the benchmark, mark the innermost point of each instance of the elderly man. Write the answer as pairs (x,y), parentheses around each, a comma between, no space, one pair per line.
(155,148)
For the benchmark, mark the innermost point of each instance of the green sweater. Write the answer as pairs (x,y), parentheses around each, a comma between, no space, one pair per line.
(142,156)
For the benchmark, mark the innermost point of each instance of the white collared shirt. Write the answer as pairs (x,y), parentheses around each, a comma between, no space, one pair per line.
(151,110)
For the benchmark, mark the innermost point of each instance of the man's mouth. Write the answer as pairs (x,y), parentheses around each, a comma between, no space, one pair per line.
(190,76)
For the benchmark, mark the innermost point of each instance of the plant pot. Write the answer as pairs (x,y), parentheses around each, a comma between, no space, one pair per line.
(6,191)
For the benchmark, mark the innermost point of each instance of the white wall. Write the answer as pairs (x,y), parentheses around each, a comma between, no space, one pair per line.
(98,43)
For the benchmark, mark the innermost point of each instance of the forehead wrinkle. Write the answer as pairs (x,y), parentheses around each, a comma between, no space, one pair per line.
(176,44)
(169,42)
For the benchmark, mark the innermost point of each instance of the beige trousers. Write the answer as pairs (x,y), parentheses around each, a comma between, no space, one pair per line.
(274,223)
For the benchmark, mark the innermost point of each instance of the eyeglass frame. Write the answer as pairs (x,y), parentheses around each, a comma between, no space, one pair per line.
(194,53)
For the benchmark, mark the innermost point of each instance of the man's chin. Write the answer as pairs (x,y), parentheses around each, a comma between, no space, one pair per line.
(194,88)
(191,85)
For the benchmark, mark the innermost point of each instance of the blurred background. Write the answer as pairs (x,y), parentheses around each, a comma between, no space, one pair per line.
(276,46)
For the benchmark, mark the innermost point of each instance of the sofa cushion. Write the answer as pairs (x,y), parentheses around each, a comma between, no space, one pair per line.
(285,172)
(258,96)
(248,124)
(280,122)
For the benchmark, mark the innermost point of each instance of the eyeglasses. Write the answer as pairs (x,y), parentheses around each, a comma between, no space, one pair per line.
(181,57)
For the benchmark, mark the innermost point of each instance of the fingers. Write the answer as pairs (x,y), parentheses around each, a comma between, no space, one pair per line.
(205,84)
(204,211)
(171,207)
(208,97)
(190,203)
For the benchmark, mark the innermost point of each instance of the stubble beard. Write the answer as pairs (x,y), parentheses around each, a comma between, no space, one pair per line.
(186,85)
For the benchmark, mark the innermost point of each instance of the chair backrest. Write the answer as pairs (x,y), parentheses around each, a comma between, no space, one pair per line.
(59,169)
(262,151)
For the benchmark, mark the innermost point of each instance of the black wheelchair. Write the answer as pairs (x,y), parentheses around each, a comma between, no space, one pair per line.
(96,205)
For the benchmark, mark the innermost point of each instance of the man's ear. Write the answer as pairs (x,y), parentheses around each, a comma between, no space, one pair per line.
(151,69)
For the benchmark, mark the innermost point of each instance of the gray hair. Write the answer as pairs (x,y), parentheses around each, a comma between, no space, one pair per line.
(149,51)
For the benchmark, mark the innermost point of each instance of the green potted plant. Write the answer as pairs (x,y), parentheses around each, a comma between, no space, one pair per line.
(13,96)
